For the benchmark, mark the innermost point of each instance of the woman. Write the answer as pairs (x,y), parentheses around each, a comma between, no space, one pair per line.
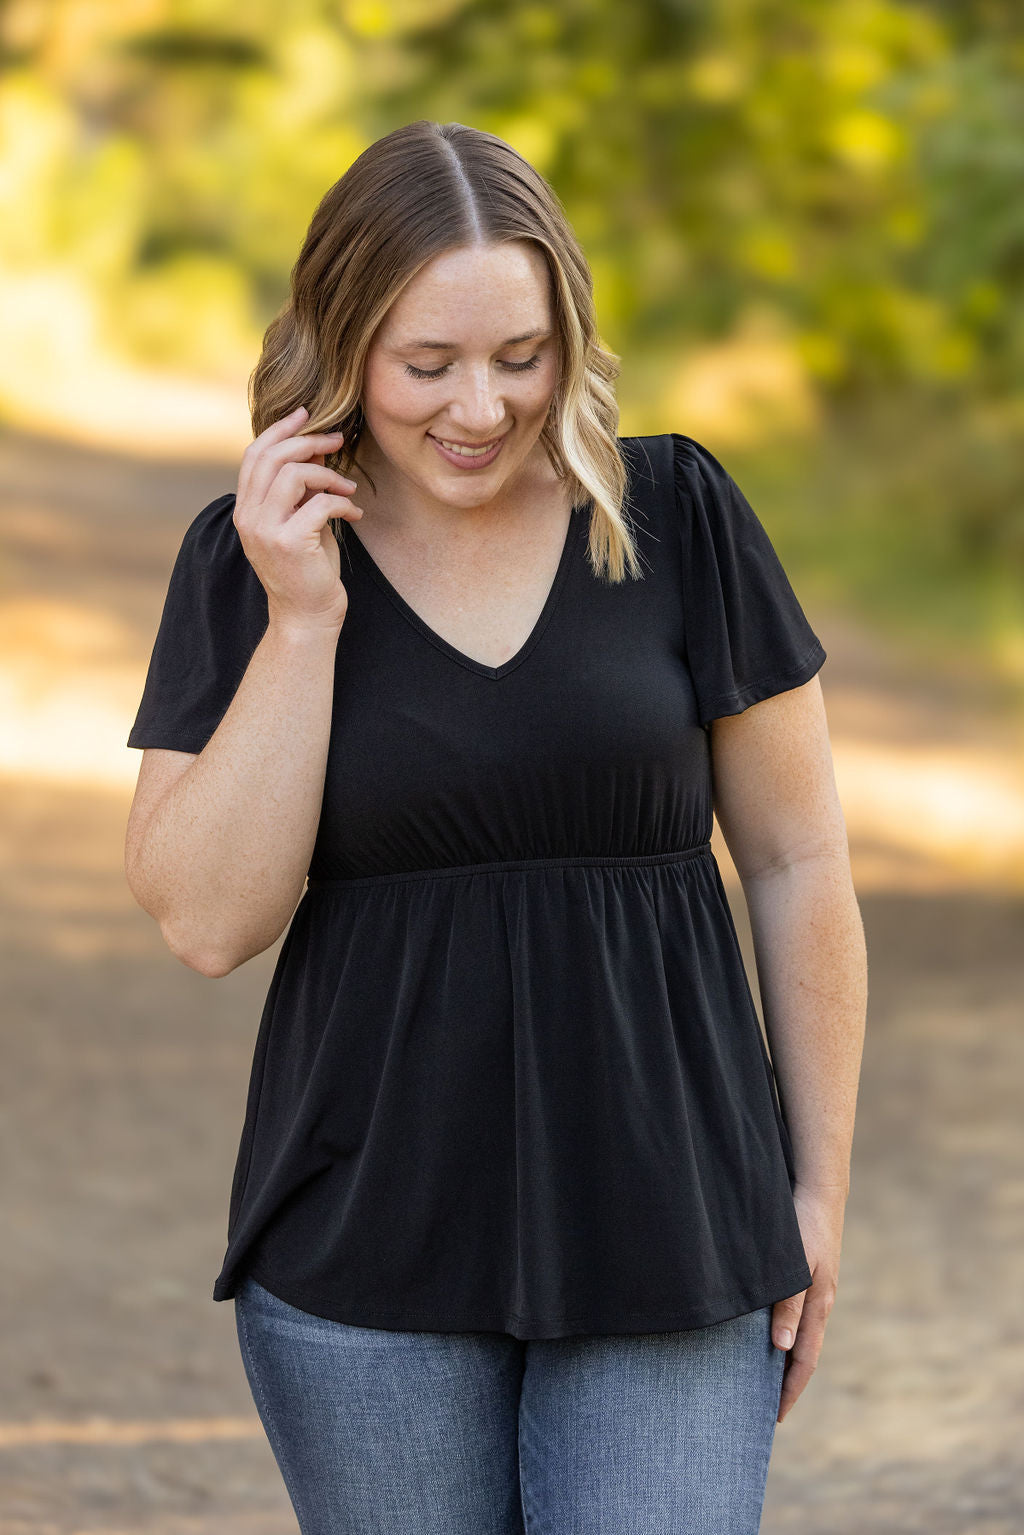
(520,1235)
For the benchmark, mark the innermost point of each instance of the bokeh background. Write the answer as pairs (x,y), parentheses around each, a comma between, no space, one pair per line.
(806,226)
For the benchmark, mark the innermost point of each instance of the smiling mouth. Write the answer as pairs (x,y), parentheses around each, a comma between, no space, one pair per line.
(467,449)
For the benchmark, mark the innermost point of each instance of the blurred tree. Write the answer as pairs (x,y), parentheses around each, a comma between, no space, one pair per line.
(837,180)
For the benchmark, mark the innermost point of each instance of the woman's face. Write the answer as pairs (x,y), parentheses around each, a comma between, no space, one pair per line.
(467,355)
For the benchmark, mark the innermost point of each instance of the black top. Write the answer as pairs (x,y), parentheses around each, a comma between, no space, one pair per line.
(509,1074)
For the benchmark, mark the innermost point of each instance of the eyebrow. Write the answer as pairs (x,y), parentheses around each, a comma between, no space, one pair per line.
(450,346)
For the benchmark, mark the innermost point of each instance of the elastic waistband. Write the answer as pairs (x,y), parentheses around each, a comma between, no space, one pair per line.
(515,866)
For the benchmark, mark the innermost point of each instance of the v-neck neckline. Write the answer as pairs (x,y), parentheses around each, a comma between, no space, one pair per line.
(577,519)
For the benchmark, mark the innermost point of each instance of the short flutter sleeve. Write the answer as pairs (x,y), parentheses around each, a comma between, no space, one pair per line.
(214,615)
(747,636)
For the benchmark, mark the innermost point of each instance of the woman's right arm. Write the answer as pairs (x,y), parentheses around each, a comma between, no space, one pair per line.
(218,843)
(220,857)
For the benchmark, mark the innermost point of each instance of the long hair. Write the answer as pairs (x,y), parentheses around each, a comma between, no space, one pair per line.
(420,191)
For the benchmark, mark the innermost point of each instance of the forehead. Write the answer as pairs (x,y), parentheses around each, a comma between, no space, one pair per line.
(496,292)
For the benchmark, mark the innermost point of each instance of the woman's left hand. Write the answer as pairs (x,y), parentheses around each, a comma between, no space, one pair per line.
(820,1213)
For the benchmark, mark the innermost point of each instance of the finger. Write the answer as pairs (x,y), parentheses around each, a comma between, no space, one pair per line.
(295,486)
(283,427)
(800,1366)
(266,462)
(302,481)
(803,1357)
(310,520)
(786,1316)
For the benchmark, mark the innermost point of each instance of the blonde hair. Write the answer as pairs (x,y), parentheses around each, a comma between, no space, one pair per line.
(420,191)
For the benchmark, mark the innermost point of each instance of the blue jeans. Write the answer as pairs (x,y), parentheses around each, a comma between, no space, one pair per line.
(379,1432)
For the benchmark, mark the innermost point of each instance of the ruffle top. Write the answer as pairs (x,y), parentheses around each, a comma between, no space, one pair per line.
(509,1075)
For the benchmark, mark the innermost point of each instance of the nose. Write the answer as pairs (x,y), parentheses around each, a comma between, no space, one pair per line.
(477,407)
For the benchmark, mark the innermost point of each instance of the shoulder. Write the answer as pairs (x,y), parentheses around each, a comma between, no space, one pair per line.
(716,524)
(688,453)
(212,567)
(698,473)
(656,455)
(212,532)
(683,474)
(709,502)
(648,463)
(211,549)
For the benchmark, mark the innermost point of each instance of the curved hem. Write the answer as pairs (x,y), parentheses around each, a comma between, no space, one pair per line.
(724,1308)
(740,699)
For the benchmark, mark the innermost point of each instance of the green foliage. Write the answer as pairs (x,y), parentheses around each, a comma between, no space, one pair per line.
(851,168)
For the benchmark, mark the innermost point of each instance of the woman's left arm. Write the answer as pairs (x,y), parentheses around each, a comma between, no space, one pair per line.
(776,802)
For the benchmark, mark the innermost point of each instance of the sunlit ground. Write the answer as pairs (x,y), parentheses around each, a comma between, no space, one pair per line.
(126,1408)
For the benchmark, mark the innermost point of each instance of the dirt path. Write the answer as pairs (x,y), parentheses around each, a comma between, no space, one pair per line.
(125,1407)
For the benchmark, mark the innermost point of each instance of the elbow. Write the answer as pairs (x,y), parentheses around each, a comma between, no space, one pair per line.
(814,861)
(201,958)
(211,965)
(192,949)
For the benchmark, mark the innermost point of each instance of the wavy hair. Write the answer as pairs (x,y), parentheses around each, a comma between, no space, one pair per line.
(418,192)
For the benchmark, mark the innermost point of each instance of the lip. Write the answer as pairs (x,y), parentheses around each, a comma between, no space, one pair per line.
(459,462)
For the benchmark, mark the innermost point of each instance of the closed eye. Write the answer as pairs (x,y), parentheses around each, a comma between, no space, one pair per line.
(513,367)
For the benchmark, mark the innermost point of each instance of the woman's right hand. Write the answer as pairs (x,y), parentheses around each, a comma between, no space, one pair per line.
(285,496)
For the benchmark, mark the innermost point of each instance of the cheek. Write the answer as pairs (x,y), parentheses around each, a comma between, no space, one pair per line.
(396,401)
(537,389)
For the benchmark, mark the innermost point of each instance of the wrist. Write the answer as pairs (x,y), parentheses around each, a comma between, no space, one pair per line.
(305,631)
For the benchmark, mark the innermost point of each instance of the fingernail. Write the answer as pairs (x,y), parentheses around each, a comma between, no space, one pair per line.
(785,1338)
(300,410)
